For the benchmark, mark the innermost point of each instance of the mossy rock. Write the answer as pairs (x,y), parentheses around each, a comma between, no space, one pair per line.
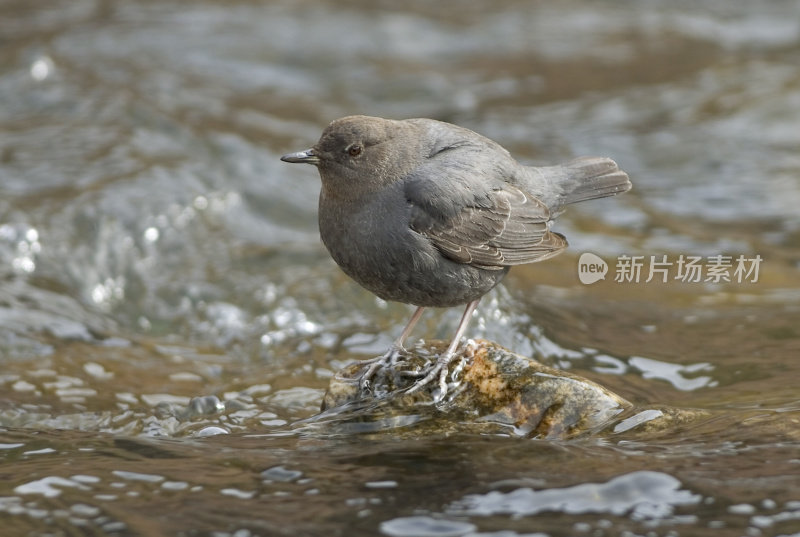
(491,389)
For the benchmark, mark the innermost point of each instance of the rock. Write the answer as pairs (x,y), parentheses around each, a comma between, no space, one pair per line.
(492,390)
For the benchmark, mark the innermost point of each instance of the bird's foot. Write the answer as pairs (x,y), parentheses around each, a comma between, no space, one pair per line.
(388,360)
(437,372)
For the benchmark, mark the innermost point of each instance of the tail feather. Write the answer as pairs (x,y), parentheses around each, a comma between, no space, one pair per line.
(590,178)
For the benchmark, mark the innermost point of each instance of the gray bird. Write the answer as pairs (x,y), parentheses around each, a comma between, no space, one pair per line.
(431,214)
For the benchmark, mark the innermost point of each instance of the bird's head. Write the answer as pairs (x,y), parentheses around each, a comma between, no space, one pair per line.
(357,154)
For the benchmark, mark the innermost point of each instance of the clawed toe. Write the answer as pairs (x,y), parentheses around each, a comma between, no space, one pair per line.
(388,360)
(437,373)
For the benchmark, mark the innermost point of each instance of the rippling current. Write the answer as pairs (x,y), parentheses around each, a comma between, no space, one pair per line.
(169,319)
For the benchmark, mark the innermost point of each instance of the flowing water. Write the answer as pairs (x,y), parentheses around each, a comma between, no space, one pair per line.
(169,319)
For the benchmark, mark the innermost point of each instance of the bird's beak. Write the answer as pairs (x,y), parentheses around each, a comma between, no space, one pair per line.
(306,157)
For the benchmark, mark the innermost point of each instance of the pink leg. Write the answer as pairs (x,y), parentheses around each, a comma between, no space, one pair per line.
(390,357)
(440,368)
(398,343)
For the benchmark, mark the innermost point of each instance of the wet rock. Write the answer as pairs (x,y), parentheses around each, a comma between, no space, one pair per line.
(491,389)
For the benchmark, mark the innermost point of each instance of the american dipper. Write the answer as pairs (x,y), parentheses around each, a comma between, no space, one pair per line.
(431,214)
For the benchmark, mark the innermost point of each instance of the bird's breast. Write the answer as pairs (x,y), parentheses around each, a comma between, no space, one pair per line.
(371,241)
(373,244)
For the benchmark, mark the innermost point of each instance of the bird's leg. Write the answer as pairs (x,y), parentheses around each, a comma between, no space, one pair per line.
(390,358)
(440,368)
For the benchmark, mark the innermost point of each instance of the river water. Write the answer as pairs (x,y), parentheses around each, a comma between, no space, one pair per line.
(169,319)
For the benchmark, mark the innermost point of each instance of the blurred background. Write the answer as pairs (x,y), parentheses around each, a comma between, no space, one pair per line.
(161,274)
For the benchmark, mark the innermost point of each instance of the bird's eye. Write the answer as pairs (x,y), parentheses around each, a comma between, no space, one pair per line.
(354,150)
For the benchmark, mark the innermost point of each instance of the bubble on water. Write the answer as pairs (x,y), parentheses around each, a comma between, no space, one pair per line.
(200,203)
(25,245)
(8,233)
(144,323)
(151,234)
(23,264)
(99,293)
(205,405)
(41,68)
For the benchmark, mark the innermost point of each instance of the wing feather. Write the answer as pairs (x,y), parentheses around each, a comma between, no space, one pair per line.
(464,200)
(507,228)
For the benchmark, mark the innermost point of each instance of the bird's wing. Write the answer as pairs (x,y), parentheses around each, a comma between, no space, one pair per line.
(473,215)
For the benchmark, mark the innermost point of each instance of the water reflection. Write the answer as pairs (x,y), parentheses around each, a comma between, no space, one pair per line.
(675,374)
(22,246)
(48,487)
(641,495)
(425,526)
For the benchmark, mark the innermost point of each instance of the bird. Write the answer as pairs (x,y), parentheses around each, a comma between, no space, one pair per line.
(432,214)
